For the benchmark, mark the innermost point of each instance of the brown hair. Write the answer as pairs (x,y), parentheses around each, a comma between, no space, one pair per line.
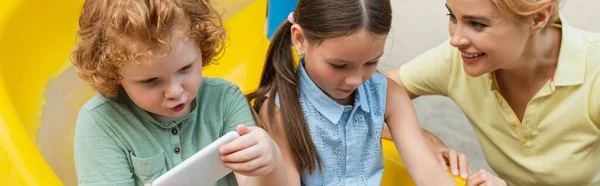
(320,20)
(114,32)
(523,8)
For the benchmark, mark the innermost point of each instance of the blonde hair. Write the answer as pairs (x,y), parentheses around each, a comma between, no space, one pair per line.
(524,8)
(115,32)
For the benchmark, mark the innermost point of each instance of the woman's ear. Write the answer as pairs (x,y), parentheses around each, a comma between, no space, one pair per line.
(541,18)
(298,38)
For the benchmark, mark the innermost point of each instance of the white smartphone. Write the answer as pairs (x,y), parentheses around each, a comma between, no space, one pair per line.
(203,168)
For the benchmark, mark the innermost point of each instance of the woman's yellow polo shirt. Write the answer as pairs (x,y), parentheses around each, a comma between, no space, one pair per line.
(557,142)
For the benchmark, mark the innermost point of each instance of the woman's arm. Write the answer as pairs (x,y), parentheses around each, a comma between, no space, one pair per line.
(394,74)
(402,122)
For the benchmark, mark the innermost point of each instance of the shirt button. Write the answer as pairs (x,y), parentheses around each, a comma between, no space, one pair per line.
(513,123)
(499,101)
(176,150)
(524,140)
(174,131)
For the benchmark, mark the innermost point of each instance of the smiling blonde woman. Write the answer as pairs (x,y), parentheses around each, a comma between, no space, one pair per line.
(529,84)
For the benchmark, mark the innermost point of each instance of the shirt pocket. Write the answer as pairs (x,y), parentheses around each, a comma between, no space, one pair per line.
(148,169)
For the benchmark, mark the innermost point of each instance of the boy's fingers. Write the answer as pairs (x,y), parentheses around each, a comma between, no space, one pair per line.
(248,166)
(238,144)
(257,172)
(242,129)
(245,155)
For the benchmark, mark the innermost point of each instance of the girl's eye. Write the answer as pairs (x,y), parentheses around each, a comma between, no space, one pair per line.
(338,66)
(372,63)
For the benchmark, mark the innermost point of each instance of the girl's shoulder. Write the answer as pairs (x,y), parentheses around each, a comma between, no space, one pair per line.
(377,83)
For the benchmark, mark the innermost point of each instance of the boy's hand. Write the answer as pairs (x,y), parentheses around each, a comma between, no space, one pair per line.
(484,178)
(254,153)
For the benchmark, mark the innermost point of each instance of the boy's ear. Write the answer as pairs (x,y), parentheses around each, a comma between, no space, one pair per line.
(298,38)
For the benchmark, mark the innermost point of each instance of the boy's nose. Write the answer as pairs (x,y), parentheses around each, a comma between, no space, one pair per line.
(174,91)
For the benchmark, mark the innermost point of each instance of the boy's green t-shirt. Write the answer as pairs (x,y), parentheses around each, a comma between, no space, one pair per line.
(118,143)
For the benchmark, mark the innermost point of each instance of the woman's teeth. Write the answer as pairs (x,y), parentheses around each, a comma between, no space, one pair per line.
(472,55)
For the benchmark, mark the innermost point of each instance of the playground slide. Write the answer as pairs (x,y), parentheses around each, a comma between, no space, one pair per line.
(40,93)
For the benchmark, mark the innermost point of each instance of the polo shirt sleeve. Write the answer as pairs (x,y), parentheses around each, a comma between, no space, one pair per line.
(237,110)
(99,160)
(430,72)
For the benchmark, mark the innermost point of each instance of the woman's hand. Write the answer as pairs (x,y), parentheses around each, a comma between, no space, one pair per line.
(484,178)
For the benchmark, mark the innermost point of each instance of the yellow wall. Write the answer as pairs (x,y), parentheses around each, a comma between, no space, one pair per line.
(40,93)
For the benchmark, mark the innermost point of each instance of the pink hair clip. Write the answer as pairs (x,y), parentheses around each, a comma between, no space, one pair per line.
(291,18)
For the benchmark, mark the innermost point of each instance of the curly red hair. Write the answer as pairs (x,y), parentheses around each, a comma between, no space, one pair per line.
(114,32)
